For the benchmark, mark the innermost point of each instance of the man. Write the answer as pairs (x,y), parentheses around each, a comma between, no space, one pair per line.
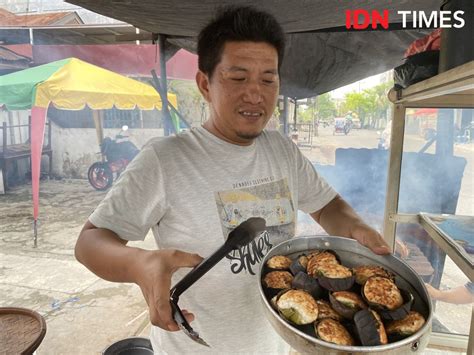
(193,189)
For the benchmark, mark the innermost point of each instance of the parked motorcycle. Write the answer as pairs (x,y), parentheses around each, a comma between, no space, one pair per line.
(116,155)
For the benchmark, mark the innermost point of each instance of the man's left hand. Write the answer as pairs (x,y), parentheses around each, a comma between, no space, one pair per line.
(338,218)
(370,238)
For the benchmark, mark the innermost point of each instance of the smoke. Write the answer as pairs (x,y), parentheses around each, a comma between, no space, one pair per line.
(429,183)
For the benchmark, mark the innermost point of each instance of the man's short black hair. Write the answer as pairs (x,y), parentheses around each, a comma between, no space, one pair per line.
(239,24)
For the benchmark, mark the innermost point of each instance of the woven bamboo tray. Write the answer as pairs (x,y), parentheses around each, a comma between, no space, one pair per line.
(21,330)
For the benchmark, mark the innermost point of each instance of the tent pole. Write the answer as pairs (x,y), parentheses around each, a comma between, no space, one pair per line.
(164,87)
(35,233)
(98,126)
(38,120)
(156,84)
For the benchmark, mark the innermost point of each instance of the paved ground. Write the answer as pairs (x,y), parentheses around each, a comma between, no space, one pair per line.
(85,314)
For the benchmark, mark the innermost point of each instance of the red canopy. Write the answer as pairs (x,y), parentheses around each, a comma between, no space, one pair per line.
(425,111)
(127,59)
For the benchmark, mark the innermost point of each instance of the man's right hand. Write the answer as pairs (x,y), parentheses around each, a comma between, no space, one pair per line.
(153,273)
(108,256)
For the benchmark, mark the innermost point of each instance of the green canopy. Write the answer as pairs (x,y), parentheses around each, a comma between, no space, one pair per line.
(18,90)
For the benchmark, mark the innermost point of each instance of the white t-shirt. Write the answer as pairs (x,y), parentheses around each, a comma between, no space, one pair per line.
(192,190)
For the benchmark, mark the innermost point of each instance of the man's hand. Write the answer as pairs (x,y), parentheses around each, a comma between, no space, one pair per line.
(370,238)
(108,256)
(153,274)
(433,292)
(338,218)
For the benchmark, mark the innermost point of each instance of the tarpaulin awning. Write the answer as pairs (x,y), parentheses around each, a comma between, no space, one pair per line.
(321,55)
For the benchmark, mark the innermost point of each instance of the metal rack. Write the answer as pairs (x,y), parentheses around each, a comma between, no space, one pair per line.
(451,89)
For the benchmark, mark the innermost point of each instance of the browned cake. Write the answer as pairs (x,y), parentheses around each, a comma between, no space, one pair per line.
(279,262)
(278,279)
(362,273)
(349,299)
(333,332)
(334,271)
(298,307)
(316,260)
(408,325)
(382,292)
(326,311)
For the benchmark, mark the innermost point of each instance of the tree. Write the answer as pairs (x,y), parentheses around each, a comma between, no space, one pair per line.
(382,101)
(321,107)
(325,107)
(305,114)
(356,102)
(370,104)
(191,104)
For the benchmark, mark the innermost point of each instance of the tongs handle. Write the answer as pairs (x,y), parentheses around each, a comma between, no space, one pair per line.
(198,271)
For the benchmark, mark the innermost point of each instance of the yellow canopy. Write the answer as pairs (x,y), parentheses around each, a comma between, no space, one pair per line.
(77,84)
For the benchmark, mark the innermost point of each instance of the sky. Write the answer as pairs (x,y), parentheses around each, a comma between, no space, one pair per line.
(357,86)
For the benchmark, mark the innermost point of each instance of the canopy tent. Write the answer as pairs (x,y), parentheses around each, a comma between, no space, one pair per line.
(321,55)
(70,84)
(425,111)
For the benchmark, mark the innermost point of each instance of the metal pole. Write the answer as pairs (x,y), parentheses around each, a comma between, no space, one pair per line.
(164,87)
(285,115)
(32,40)
(445,133)
(35,233)
(295,112)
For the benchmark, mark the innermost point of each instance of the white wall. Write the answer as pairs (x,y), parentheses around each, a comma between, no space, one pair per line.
(16,135)
(74,149)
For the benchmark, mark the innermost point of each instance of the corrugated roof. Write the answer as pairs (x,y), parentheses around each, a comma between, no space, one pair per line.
(51,18)
(9,60)
(9,55)
(6,13)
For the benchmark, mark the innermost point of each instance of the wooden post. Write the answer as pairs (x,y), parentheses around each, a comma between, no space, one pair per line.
(470,345)
(12,128)
(394,173)
(4,131)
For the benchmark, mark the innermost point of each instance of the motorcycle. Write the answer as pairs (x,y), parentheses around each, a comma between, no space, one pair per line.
(116,155)
(342,125)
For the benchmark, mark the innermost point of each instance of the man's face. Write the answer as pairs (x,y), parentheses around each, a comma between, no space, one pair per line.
(242,92)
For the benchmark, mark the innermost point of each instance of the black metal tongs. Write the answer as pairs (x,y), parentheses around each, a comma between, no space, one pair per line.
(243,234)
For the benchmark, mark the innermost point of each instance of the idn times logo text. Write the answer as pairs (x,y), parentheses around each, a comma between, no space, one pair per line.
(361,19)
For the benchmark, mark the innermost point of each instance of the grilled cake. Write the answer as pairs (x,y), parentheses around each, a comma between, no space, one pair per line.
(381,292)
(278,279)
(326,311)
(298,307)
(363,272)
(279,262)
(406,326)
(332,331)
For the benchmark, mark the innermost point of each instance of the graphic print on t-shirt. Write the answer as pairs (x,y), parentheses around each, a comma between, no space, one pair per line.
(265,198)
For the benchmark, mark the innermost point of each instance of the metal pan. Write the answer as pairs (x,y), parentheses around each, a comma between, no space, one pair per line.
(352,254)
